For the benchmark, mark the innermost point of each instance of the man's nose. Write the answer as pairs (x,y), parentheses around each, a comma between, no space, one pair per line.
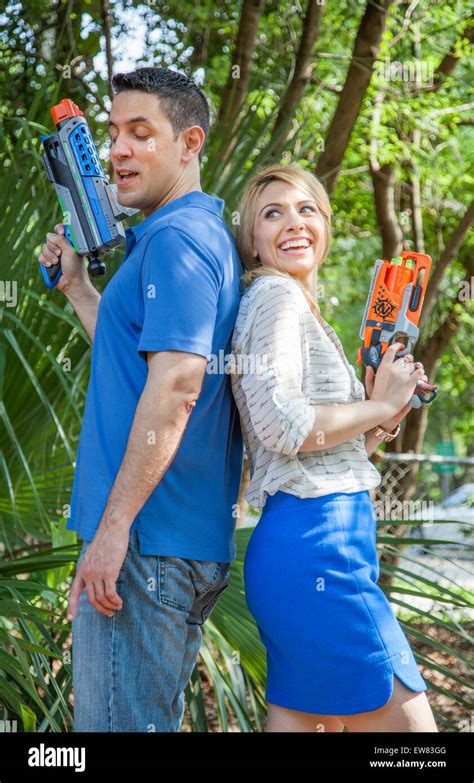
(120,150)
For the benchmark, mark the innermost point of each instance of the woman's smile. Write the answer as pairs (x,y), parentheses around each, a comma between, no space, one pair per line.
(295,246)
(289,231)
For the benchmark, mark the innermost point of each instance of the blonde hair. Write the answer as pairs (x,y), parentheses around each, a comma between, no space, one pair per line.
(293,175)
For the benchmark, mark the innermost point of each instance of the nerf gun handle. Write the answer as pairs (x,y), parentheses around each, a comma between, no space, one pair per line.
(51,274)
(373,357)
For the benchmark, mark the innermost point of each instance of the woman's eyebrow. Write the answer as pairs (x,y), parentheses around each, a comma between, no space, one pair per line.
(277,204)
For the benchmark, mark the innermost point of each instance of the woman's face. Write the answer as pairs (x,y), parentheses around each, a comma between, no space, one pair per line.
(289,230)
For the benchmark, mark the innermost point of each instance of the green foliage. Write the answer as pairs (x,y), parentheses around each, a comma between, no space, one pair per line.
(41,402)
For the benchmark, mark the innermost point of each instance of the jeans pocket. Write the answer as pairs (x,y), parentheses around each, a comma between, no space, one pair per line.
(175,583)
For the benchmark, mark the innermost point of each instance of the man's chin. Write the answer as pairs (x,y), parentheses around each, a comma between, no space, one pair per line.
(129,199)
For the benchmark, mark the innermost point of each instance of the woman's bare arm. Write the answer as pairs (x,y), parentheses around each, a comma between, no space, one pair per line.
(335,424)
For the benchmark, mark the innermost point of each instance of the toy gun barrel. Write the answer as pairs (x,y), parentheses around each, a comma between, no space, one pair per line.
(393,312)
(91,212)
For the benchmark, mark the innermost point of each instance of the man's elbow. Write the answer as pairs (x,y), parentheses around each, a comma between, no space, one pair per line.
(177,376)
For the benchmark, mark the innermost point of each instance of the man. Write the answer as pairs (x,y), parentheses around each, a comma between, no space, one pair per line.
(160,452)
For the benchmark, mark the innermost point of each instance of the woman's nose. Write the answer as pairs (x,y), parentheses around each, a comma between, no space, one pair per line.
(295,223)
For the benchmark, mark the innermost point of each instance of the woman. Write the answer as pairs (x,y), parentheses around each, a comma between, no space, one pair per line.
(336,654)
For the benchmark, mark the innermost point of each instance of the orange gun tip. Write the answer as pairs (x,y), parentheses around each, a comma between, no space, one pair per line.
(64,110)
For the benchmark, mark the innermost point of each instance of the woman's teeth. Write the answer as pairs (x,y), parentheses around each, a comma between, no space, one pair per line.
(296,249)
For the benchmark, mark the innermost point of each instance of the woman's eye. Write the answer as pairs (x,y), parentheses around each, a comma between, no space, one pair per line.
(267,214)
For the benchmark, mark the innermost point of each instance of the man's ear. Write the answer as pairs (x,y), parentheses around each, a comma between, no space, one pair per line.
(194,138)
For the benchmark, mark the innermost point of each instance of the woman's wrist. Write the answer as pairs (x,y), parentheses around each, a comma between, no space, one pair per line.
(384,411)
(384,435)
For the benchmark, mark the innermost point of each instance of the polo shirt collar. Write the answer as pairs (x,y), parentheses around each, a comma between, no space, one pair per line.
(195,198)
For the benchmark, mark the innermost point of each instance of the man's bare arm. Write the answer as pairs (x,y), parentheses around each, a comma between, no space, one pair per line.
(85,301)
(74,282)
(173,385)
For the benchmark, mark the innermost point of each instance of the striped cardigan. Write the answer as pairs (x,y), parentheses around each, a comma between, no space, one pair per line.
(285,362)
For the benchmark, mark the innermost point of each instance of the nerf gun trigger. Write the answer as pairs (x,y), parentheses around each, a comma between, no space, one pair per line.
(392,313)
(92,225)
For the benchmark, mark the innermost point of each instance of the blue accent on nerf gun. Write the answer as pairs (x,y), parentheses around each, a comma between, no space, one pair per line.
(51,282)
(92,215)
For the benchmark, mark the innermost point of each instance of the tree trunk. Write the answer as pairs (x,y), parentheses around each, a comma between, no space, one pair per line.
(239,72)
(106,26)
(392,236)
(365,53)
(303,66)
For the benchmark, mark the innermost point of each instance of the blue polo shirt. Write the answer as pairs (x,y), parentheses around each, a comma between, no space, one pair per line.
(177,289)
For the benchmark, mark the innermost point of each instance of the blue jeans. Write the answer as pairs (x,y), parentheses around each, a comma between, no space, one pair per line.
(130,670)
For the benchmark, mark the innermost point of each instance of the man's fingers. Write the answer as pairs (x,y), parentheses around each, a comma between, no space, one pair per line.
(112,595)
(56,241)
(92,598)
(74,595)
(59,228)
(106,596)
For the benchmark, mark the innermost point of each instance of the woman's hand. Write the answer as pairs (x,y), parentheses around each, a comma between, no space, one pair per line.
(370,376)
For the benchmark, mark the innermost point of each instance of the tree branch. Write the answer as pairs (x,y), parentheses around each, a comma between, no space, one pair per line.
(455,242)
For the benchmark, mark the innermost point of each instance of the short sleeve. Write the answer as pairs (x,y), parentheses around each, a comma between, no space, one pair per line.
(180,288)
(273,369)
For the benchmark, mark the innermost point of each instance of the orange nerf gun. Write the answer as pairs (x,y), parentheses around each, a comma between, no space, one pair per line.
(393,311)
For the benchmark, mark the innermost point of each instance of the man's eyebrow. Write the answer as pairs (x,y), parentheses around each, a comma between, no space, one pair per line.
(132,121)
(276,204)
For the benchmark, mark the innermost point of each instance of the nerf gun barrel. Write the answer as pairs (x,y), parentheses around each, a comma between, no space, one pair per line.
(392,313)
(91,212)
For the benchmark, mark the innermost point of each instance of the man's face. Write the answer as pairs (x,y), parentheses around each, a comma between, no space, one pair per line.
(142,143)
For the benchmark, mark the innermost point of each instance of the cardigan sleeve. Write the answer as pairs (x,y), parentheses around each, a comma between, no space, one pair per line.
(273,369)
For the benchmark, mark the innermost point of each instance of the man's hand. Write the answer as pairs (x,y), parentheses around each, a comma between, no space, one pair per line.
(73,267)
(391,423)
(99,569)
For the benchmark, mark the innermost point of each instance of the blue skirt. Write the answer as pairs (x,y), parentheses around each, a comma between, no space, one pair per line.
(332,639)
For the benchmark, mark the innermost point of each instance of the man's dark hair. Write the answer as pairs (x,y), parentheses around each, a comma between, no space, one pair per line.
(181,101)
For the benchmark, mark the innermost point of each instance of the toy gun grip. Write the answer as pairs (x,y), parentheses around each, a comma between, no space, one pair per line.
(51,274)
